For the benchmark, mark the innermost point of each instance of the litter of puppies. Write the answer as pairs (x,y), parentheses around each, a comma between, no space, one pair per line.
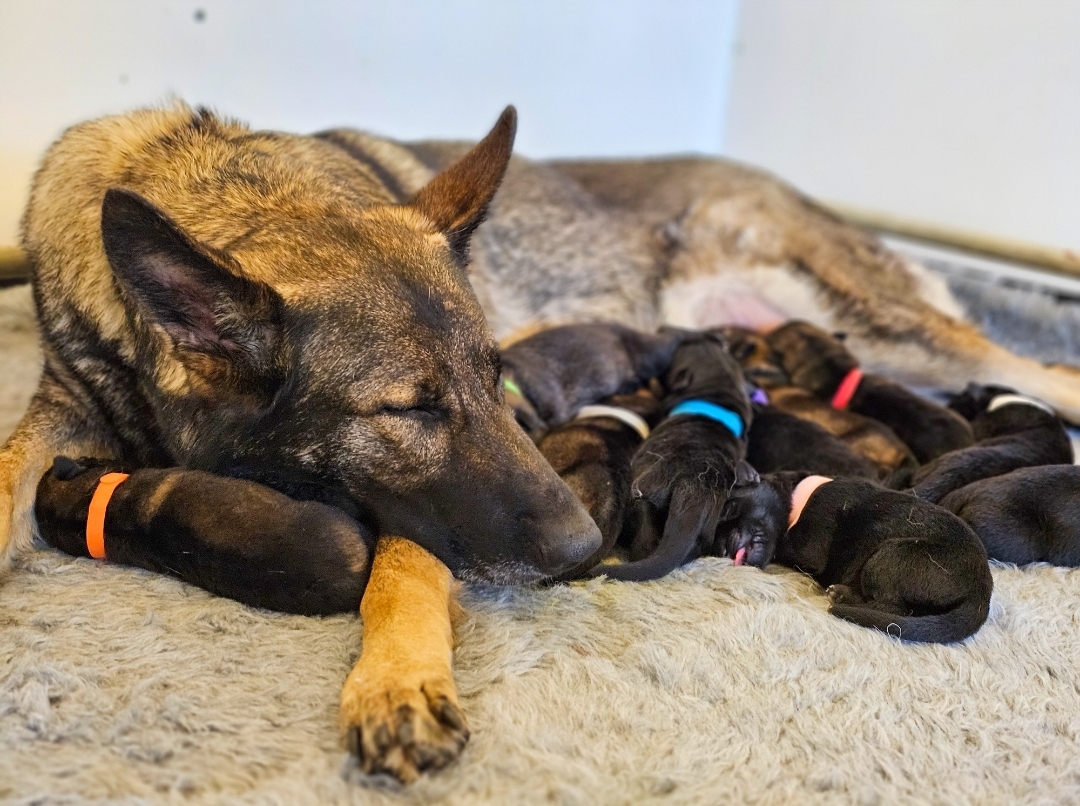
(776,447)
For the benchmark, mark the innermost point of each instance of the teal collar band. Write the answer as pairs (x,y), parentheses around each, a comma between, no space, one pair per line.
(703,408)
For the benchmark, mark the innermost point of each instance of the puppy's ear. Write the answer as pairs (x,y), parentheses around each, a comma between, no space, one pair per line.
(66,469)
(680,380)
(741,350)
(225,329)
(733,508)
(745,475)
(456,201)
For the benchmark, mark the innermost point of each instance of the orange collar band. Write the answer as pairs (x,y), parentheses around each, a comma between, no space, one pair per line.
(846,390)
(801,494)
(95,519)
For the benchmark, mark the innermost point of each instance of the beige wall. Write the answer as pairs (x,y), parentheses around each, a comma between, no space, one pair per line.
(960,112)
(598,77)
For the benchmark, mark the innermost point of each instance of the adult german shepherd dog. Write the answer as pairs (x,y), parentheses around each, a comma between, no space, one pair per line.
(296,310)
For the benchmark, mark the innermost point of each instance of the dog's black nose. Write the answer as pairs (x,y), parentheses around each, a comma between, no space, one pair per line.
(566,549)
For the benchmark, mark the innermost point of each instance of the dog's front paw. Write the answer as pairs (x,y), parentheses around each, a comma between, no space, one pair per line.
(400,728)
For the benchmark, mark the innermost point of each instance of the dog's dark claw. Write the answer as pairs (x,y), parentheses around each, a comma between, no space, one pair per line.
(405,733)
(382,738)
(355,742)
(449,714)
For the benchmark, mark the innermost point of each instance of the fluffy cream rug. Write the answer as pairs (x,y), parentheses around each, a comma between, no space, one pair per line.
(717,684)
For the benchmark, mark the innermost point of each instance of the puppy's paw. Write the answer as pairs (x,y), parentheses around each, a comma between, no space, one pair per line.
(402,728)
(842,594)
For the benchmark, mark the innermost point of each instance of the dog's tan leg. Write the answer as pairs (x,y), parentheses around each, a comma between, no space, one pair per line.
(54,424)
(399,711)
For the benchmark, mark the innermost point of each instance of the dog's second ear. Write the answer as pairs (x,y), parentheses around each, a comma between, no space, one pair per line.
(745,475)
(456,200)
(225,329)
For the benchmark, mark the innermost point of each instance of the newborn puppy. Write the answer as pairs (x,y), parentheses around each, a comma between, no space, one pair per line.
(864,436)
(231,537)
(819,363)
(557,371)
(781,441)
(1013,431)
(592,454)
(685,469)
(1026,516)
(888,560)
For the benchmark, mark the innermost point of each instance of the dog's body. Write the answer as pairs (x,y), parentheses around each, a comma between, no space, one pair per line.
(1026,516)
(819,362)
(1011,432)
(890,561)
(685,469)
(231,537)
(293,310)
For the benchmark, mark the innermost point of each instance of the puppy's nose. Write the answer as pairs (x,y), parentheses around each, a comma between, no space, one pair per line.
(564,549)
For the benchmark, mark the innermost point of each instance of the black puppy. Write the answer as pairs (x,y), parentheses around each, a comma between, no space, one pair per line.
(888,560)
(1013,431)
(819,362)
(1026,516)
(309,558)
(684,471)
(552,374)
(781,441)
(592,454)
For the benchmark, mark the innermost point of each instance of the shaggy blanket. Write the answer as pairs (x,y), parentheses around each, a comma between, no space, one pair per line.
(716,684)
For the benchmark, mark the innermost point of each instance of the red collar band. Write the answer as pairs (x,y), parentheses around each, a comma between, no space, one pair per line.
(846,390)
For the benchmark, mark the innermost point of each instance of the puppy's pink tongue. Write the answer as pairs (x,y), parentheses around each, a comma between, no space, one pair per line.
(740,556)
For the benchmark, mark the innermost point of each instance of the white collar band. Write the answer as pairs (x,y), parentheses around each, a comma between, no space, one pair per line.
(1010,399)
(615,413)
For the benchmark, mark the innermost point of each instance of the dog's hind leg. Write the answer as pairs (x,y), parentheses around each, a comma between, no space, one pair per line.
(399,710)
(55,423)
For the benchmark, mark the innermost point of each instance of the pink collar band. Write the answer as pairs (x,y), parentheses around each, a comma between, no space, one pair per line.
(801,494)
(846,390)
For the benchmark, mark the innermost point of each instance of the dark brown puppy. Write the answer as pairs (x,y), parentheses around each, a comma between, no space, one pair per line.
(557,371)
(231,537)
(819,362)
(1026,516)
(592,454)
(1013,431)
(888,560)
(781,441)
(865,436)
(684,471)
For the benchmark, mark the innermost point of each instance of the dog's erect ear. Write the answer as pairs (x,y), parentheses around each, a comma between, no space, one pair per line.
(225,329)
(745,475)
(456,200)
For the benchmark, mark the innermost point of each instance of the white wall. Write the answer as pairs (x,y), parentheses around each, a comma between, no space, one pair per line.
(616,77)
(960,112)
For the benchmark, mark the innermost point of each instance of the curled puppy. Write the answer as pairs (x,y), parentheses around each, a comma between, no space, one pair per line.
(557,371)
(1027,516)
(231,537)
(820,363)
(888,560)
(685,469)
(867,437)
(592,454)
(781,441)
(1013,431)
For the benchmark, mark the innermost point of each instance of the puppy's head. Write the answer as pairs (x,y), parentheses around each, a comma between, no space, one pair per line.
(704,368)
(975,398)
(755,355)
(812,358)
(751,523)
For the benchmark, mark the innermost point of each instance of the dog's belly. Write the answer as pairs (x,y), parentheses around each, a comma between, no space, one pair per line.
(758,298)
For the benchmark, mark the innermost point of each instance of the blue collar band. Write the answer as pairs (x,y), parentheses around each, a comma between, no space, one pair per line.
(703,408)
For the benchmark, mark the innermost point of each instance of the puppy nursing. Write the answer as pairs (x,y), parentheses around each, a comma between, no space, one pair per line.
(891,560)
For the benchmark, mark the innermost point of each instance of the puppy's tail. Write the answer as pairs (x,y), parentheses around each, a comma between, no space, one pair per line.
(689,518)
(937,628)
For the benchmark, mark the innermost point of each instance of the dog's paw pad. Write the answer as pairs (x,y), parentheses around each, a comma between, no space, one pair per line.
(841,594)
(403,731)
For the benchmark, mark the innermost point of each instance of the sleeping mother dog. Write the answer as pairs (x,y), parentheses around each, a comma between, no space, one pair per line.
(296,310)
